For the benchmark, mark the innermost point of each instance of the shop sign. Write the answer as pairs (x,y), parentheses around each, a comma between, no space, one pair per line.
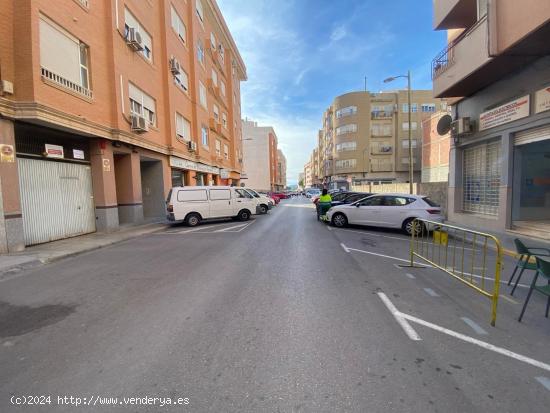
(542,100)
(54,151)
(7,154)
(224,173)
(193,166)
(78,154)
(106,165)
(509,112)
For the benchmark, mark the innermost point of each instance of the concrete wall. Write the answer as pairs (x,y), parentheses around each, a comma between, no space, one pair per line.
(257,156)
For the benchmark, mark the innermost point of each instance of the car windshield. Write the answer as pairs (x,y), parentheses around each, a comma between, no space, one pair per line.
(430,202)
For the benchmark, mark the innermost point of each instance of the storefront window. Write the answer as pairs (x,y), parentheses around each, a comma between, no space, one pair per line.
(481,178)
(178,178)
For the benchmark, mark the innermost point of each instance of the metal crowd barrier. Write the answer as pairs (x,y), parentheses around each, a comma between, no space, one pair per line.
(463,254)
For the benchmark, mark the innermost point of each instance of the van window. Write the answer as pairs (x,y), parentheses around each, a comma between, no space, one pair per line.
(192,195)
(241,193)
(220,194)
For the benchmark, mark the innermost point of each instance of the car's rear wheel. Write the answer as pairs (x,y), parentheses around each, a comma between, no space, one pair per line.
(193,220)
(339,220)
(244,215)
(409,227)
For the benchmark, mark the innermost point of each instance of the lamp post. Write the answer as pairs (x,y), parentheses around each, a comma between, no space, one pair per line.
(411,159)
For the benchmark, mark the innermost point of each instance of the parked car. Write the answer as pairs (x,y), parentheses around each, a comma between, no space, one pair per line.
(312,192)
(386,210)
(279,195)
(194,204)
(263,201)
(274,199)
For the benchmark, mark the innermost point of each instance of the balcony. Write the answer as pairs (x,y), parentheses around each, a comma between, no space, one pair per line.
(381,114)
(454,14)
(62,83)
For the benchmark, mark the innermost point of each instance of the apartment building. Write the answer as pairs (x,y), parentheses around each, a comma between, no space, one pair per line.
(281,170)
(435,149)
(496,66)
(260,156)
(365,137)
(308,177)
(105,105)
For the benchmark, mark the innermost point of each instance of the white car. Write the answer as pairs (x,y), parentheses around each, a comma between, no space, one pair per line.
(193,204)
(264,203)
(386,210)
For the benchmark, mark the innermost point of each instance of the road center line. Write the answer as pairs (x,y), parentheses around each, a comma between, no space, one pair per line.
(409,331)
(475,326)
(431,292)
(482,344)
(545,381)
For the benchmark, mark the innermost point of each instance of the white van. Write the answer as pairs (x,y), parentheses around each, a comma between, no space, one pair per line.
(263,201)
(192,204)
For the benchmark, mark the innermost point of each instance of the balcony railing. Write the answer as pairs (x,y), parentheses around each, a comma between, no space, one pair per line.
(381,114)
(65,83)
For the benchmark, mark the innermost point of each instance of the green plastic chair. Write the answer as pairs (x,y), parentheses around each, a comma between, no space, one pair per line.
(543,269)
(525,254)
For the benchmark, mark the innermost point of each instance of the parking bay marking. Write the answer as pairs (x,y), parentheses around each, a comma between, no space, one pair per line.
(232,228)
(431,292)
(483,344)
(475,326)
(545,381)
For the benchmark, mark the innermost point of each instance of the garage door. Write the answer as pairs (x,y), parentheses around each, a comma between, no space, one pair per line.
(56,200)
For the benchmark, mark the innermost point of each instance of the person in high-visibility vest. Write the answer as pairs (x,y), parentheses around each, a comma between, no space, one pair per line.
(324,204)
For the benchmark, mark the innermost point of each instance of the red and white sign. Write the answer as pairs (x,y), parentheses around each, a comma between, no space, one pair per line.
(517,109)
(54,151)
(542,100)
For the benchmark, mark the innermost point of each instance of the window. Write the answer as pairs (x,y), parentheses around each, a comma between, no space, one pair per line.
(406,125)
(200,11)
(414,108)
(372,201)
(222,87)
(380,148)
(192,195)
(200,51)
(225,151)
(183,128)
(212,41)
(346,146)
(141,104)
(218,148)
(224,120)
(481,178)
(346,163)
(347,111)
(352,127)
(381,129)
(132,22)
(428,107)
(222,52)
(178,26)
(397,201)
(405,143)
(241,193)
(214,77)
(202,95)
(63,58)
(220,194)
(216,110)
(182,80)
(204,136)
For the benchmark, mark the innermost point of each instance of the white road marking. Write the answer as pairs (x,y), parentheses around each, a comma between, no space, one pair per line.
(475,326)
(412,277)
(374,233)
(344,247)
(482,344)
(299,206)
(199,228)
(545,381)
(409,331)
(431,292)
(246,226)
(329,227)
(504,296)
(233,227)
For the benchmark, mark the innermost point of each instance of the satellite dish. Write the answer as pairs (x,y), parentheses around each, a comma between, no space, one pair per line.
(444,125)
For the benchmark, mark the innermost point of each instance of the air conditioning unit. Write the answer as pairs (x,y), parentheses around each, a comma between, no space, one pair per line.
(461,126)
(139,124)
(175,66)
(133,39)
(192,146)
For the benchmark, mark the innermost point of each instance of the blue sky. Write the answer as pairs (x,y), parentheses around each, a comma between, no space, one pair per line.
(300,54)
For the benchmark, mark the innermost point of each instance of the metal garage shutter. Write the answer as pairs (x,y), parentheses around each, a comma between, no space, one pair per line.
(56,200)
(532,135)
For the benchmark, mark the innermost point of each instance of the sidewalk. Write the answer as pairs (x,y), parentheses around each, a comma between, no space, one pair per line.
(56,250)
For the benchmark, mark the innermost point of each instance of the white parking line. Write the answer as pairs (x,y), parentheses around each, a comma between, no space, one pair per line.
(545,381)
(412,277)
(475,326)
(488,346)
(344,247)
(409,331)
(374,233)
(431,292)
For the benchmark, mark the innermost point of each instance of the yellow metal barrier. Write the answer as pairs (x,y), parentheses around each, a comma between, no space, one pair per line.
(462,253)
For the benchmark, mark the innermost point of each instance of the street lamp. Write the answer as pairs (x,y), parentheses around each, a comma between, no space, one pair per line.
(411,165)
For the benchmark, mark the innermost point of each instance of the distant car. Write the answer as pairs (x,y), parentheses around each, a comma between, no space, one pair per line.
(313,192)
(279,195)
(386,210)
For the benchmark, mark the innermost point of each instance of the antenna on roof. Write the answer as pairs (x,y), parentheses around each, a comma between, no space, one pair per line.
(365,83)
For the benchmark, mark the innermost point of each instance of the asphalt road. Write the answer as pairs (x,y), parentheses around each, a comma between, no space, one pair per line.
(281,314)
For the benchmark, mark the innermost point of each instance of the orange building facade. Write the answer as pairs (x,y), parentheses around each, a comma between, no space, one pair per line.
(105,105)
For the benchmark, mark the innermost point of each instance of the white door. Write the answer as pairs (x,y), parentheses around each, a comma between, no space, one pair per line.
(368,212)
(243,200)
(56,200)
(221,203)
(394,211)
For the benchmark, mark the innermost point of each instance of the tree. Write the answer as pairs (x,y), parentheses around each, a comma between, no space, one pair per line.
(301,183)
